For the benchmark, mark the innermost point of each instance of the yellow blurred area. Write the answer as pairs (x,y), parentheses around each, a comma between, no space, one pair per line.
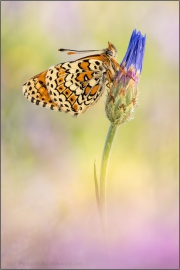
(49,213)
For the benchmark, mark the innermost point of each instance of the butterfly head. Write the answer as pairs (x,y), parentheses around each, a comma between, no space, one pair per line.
(111,50)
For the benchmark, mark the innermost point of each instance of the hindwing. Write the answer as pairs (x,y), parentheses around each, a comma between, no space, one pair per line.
(74,86)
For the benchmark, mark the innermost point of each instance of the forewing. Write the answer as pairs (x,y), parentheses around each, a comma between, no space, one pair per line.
(35,90)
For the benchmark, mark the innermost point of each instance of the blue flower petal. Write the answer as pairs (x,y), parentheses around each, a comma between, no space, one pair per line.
(135,52)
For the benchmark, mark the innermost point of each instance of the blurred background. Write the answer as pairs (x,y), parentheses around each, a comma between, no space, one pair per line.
(49,212)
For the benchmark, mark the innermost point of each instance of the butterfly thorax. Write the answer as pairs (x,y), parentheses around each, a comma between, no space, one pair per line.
(110,54)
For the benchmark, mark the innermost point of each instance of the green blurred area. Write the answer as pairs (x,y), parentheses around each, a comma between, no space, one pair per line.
(48,157)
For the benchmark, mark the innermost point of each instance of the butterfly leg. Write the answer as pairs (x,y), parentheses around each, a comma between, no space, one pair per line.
(110,80)
(123,71)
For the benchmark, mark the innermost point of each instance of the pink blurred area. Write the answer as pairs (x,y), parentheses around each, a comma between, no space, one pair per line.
(49,213)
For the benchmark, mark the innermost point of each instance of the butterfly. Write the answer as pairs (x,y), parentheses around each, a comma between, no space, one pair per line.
(74,86)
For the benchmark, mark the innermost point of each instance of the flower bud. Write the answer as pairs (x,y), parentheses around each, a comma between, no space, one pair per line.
(122,98)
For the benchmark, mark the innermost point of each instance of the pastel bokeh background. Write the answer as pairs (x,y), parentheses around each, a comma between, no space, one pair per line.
(49,213)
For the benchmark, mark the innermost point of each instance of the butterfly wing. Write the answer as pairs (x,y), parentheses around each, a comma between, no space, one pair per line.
(76,85)
(35,90)
(69,87)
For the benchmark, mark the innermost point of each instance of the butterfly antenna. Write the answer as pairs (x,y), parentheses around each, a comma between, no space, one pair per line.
(77,52)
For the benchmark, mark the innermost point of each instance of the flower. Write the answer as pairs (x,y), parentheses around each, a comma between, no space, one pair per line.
(135,51)
(122,100)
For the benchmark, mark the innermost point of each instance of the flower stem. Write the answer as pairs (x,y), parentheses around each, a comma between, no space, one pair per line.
(104,164)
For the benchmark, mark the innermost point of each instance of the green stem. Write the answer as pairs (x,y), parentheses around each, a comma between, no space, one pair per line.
(102,189)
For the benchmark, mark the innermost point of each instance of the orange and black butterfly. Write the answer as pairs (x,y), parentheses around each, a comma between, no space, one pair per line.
(74,86)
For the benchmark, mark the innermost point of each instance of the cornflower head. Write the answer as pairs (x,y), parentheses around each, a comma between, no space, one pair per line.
(122,99)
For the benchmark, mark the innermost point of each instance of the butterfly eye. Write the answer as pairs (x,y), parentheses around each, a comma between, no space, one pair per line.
(109,52)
